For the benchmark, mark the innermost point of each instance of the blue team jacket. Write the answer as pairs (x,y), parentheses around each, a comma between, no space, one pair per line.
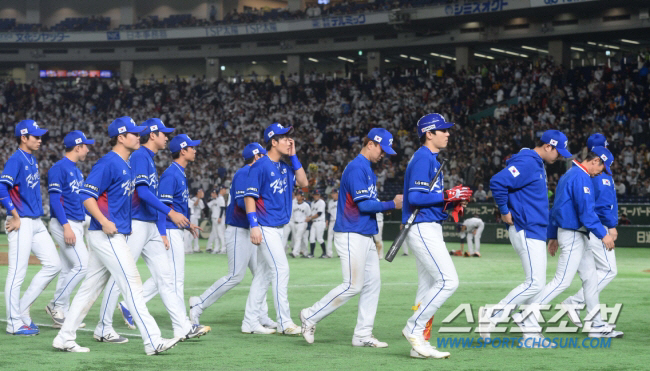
(606,202)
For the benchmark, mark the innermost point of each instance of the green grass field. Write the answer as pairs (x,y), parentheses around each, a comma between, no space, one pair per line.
(484,280)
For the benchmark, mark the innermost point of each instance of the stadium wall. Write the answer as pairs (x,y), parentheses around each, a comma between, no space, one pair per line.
(53,12)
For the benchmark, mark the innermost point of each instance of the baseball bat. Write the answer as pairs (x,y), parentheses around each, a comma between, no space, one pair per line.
(394,248)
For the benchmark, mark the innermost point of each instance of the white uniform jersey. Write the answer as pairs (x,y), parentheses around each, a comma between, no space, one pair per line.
(301,212)
(331,209)
(318,207)
(216,206)
(195,210)
(473,223)
(380,217)
(293,207)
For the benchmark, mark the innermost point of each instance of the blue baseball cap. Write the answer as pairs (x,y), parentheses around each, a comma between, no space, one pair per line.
(123,125)
(558,140)
(596,140)
(384,138)
(29,127)
(253,149)
(182,141)
(604,155)
(275,129)
(154,124)
(432,121)
(75,138)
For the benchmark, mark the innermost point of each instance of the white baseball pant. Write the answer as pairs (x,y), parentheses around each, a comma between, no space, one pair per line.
(437,277)
(286,231)
(379,237)
(146,241)
(242,254)
(574,254)
(532,253)
(474,240)
(194,241)
(176,260)
(31,236)
(605,268)
(316,233)
(74,261)
(298,232)
(304,247)
(330,237)
(86,225)
(271,255)
(110,257)
(217,237)
(360,266)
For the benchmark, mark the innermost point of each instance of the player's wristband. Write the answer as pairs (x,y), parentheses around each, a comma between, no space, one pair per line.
(388,205)
(252,219)
(295,162)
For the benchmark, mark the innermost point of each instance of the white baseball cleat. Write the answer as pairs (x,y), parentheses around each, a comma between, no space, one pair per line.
(111,337)
(164,345)
(195,310)
(197,331)
(371,342)
(292,329)
(435,353)
(605,332)
(70,346)
(269,323)
(574,314)
(259,330)
(307,329)
(417,342)
(57,316)
(485,329)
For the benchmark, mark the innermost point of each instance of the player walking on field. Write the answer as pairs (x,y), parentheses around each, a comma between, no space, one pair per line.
(268,198)
(20,193)
(332,205)
(66,224)
(355,225)
(520,193)
(317,224)
(106,195)
(217,208)
(437,277)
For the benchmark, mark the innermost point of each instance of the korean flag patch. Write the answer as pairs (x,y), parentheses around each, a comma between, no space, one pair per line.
(587,190)
(607,182)
(513,170)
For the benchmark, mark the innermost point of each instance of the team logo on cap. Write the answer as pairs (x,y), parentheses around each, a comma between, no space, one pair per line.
(566,143)
(390,141)
(280,126)
(35,125)
(377,139)
(513,170)
(133,122)
(77,141)
(605,144)
(552,142)
(183,144)
(256,151)
(122,129)
(154,127)
(271,133)
(23,131)
(603,157)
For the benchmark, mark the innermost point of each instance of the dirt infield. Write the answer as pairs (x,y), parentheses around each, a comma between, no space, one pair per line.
(4,260)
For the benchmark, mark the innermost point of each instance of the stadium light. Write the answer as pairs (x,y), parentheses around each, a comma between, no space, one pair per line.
(577,49)
(284,61)
(443,56)
(313,60)
(416,59)
(483,56)
(509,52)
(253,62)
(630,41)
(223,68)
(386,60)
(345,59)
(404,56)
(534,49)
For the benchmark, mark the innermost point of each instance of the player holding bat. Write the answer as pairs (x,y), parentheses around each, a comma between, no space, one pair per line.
(437,277)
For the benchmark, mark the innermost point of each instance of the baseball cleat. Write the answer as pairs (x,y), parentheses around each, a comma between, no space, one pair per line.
(574,314)
(126,314)
(82,325)
(307,329)
(57,317)
(24,330)
(259,330)
(324,256)
(417,342)
(435,353)
(195,310)
(405,254)
(476,255)
(292,329)
(33,326)
(208,250)
(466,254)
(485,328)
(605,332)
(269,323)
(70,346)
(371,342)
(111,337)
(197,331)
(165,344)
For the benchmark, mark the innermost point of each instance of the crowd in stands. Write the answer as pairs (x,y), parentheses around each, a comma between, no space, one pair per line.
(331,116)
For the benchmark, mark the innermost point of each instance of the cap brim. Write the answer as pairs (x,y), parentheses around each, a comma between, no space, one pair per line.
(137,129)
(607,169)
(88,141)
(389,150)
(38,132)
(564,153)
(193,143)
(288,130)
(166,130)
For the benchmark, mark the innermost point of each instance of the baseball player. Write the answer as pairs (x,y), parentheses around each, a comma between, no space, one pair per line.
(268,207)
(317,223)
(300,213)
(573,217)
(474,228)
(520,193)
(355,225)
(148,223)
(437,277)
(332,205)
(173,191)
(196,208)
(20,194)
(378,238)
(106,195)
(66,224)
(607,210)
(217,213)
(241,252)
(288,228)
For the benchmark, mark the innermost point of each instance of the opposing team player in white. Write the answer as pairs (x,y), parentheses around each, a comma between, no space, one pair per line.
(520,193)
(474,228)
(332,204)
(196,208)
(300,215)
(355,226)
(66,225)
(217,239)
(20,194)
(317,224)
(437,277)
(378,238)
(287,230)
